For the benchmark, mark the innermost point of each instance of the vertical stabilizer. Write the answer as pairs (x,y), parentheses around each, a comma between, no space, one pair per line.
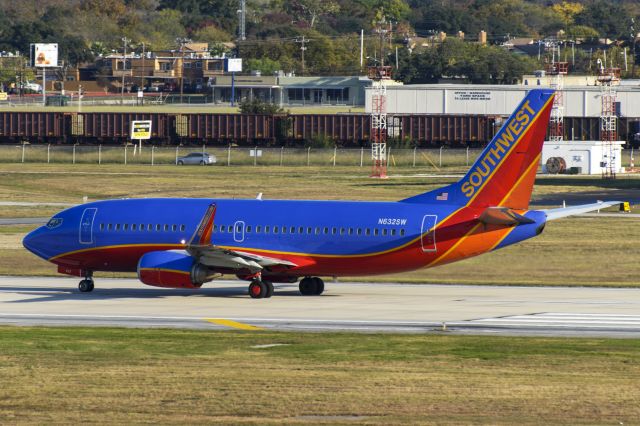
(504,173)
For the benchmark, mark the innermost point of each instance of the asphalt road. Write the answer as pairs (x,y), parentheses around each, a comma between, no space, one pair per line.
(398,308)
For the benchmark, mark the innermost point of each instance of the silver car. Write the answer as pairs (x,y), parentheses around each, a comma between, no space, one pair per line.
(197,158)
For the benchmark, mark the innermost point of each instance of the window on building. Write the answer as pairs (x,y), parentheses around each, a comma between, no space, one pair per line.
(198,65)
(299,94)
(187,65)
(165,66)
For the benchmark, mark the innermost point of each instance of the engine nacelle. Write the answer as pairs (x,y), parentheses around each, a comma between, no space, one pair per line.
(171,268)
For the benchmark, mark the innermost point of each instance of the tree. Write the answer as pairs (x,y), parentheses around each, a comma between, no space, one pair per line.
(257,106)
(567,11)
(311,10)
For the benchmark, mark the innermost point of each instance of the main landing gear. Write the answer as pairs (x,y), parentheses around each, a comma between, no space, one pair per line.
(86,285)
(259,289)
(311,286)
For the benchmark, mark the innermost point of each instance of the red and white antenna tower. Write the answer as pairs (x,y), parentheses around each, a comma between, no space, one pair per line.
(608,78)
(380,75)
(556,122)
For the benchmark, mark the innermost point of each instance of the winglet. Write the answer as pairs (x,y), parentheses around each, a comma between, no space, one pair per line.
(202,236)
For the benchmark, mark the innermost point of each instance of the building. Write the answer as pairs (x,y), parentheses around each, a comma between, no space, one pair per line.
(498,100)
(291,90)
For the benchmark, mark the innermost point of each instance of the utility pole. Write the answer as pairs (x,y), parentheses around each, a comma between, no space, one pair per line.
(633,48)
(143,69)
(242,13)
(124,62)
(182,42)
(302,42)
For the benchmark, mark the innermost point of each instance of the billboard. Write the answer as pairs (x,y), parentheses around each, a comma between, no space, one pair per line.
(44,55)
(233,65)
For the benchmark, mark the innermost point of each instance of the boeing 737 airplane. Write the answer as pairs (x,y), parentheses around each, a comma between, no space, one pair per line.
(183,243)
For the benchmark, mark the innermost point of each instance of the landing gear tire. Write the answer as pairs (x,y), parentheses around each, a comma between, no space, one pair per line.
(311,286)
(257,290)
(85,286)
(269,286)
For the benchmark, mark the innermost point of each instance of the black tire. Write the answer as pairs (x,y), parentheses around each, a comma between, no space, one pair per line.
(269,286)
(85,286)
(257,290)
(308,286)
(180,163)
(319,286)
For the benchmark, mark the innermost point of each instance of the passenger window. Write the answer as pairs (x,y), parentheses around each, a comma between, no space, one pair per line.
(166,228)
(350,231)
(317,231)
(325,230)
(248,229)
(117,226)
(309,230)
(402,232)
(174,228)
(158,227)
(102,226)
(300,230)
(222,229)
(142,226)
(359,231)
(215,228)
(376,232)
(393,232)
(284,230)
(275,229)
(266,229)
(182,228)
(134,227)
(258,229)
(367,232)
(125,227)
(149,227)
(342,231)
(384,232)
(334,231)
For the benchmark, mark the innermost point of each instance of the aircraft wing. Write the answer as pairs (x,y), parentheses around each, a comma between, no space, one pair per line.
(200,246)
(553,214)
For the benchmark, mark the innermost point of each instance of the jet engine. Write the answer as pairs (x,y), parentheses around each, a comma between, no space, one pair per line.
(173,269)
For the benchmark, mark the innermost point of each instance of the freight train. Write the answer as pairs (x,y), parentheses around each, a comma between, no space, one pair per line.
(346,130)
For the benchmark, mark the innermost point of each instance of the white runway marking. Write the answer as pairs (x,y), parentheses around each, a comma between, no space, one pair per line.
(566,320)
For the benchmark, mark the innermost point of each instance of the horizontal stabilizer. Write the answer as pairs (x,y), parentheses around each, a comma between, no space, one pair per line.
(502,216)
(553,214)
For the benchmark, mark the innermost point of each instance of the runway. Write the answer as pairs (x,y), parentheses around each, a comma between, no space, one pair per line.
(386,307)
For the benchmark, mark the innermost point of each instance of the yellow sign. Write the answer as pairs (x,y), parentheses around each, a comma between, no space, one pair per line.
(3,96)
(141,129)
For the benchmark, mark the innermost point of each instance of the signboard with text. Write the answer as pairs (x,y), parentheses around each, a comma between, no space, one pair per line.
(233,65)
(141,129)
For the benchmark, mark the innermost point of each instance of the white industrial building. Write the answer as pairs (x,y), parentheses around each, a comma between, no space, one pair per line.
(498,100)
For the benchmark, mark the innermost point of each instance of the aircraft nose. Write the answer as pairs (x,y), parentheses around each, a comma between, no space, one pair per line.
(33,242)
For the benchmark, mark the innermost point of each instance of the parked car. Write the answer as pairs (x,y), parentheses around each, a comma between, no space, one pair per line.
(197,158)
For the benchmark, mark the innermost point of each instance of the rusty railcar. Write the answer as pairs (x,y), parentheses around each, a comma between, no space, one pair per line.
(32,126)
(225,128)
(435,130)
(346,129)
(114,127)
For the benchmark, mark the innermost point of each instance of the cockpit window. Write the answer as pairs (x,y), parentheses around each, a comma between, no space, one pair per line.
(54,222)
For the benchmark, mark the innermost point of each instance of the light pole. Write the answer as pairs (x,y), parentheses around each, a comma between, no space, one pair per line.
(124,63)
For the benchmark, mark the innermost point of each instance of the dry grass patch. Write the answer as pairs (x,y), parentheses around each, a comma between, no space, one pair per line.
(114,375)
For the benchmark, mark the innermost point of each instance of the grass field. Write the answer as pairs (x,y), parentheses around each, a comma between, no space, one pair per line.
(574,251)
(114,376)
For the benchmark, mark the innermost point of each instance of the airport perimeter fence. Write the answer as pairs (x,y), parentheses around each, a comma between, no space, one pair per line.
(433,159)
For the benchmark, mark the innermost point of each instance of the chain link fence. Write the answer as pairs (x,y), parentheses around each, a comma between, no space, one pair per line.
(235,156)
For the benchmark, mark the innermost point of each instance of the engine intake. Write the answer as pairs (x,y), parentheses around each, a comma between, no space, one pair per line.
(171,269)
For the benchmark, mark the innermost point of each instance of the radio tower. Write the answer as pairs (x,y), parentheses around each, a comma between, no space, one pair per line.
(556,121)
(379,74)
(608,78)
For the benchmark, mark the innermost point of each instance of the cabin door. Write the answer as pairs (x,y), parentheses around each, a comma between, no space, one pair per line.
(428,233)
(86,226)
(238,231)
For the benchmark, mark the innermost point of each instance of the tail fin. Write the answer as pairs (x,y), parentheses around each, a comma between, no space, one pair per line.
(504,173)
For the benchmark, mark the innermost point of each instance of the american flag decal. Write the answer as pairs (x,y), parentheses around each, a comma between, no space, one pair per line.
(443,196)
